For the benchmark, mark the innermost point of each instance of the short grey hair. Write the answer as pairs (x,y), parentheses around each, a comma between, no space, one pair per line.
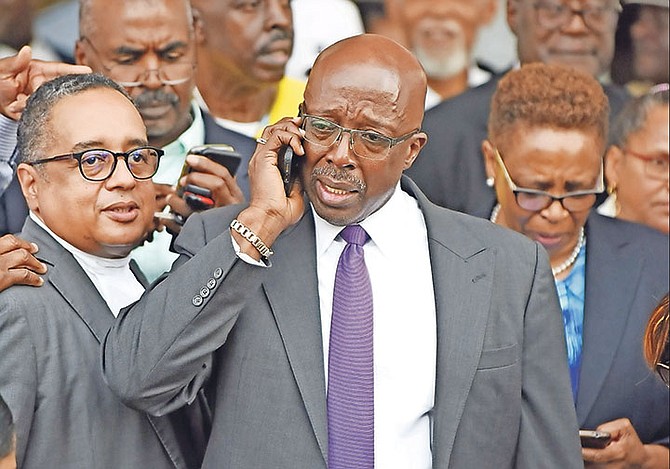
(35,124)
(634,114)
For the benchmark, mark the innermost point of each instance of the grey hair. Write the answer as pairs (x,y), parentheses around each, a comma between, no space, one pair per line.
(634,114)
(34,126)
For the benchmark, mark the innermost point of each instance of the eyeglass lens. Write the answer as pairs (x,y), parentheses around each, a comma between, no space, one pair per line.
(597,17)
(366,144)
(537,202)
(98,165)
(168,74)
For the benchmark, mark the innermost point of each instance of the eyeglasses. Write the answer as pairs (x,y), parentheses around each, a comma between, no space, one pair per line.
(99,164)
(655,166)
(534,200)
(134,74)
(662,370)
(364,143)
(599,18)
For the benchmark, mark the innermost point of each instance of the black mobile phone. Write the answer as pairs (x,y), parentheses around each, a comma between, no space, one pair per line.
(288,165)
(220,153)
(594,438)
(199,198)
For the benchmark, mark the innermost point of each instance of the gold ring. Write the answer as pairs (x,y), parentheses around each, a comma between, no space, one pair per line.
(261,140)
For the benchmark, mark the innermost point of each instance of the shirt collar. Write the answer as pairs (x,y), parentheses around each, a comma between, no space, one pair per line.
(385,226)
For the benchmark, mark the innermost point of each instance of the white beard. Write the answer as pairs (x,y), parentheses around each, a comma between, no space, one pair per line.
(443,67)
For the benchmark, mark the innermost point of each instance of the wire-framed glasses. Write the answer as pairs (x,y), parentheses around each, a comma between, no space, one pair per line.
(171,72)
(364,143)
(99,164)
(535,200)
(597,17)
(655,165)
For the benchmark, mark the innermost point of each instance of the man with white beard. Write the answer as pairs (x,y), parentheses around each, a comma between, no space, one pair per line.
(442,35)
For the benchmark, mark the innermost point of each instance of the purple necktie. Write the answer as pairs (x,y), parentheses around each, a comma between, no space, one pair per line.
(350,364)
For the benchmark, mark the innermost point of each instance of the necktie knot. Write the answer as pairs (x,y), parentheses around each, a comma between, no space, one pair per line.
(355,234)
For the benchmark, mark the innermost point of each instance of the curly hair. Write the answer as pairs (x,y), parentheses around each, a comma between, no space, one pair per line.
(549,95)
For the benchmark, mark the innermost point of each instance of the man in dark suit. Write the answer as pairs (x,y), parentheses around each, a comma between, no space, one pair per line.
(460,360)
(86,172)
(451,171)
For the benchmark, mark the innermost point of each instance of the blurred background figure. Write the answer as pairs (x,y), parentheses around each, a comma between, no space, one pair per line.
(242,52)
(451,168)
(547,135)
(656,340)
(642,52)
(636,165)
(16,30)
(442,34)
(7,438)
(318,24)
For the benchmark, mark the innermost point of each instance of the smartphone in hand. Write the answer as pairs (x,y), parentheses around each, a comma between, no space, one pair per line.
(288,165)
(594,438)
(200,198)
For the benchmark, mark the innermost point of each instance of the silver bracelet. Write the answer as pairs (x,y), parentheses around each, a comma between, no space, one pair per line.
(253,239)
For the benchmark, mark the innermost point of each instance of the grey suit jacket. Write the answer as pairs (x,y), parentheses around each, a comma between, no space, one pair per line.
(252,337)
(50,376)
(626,276)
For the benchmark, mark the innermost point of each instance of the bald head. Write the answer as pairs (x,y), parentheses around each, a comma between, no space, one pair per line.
(371,69)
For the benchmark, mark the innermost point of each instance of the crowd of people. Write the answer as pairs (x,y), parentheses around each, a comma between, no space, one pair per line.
(420,261)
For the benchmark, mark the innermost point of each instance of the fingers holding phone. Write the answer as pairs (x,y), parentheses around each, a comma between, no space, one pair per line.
(623,448)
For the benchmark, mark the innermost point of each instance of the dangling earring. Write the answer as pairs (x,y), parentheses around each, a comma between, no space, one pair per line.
(611,190)
(490,181)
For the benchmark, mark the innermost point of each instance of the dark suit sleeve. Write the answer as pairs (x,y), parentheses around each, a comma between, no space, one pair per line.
(18,369)
(159,352)
(549,435)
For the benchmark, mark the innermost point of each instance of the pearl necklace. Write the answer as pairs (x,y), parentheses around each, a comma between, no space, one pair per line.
(573,255)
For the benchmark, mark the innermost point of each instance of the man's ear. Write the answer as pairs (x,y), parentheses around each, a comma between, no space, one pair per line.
(198,26)
(416,144)
(489,159)
(80,53)
(513,15)
(613,161)
(30,182)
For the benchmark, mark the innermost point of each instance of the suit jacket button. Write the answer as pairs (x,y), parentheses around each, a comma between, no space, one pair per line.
(197,300)
(211,283)
(218,273)
(204,292)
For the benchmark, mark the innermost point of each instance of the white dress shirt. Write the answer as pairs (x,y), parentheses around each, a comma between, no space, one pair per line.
(405,331)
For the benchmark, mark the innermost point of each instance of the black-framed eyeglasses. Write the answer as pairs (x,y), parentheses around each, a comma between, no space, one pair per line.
(134,74)
(366,144)
(99,164)
(553,15)
(655,166)
(662,370)
(535,200)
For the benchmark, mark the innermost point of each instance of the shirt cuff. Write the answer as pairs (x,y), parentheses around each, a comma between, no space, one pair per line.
(246,257)
(8,129)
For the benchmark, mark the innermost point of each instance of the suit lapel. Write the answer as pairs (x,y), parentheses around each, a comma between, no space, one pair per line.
(462,279)
(70,280)
(299,320)
(605,310)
